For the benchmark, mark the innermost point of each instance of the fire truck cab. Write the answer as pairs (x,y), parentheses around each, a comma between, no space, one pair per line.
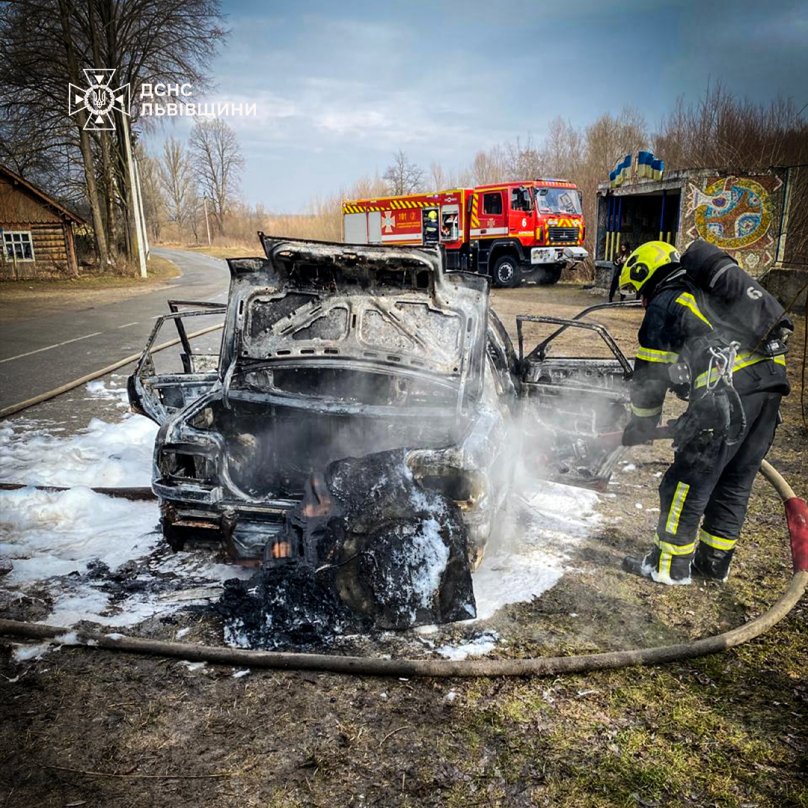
(512,232)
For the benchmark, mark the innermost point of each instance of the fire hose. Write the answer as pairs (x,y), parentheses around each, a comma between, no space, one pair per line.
(797,519)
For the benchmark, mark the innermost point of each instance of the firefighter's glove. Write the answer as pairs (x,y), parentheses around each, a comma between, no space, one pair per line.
(707,421)
(639,430)
(784,329)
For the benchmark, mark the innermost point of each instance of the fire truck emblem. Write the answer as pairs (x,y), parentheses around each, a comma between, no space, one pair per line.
(388,222)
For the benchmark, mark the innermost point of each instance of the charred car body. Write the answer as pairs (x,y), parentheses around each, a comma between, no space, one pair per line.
(356,421)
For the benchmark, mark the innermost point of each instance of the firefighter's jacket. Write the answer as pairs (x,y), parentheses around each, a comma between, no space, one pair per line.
(677,327)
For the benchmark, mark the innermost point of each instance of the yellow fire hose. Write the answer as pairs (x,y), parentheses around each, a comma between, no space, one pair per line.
(797,517)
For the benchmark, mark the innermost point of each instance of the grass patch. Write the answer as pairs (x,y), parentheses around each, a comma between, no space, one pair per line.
(696,734)
(159,270)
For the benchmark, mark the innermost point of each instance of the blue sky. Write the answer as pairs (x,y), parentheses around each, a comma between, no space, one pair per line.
(340,86)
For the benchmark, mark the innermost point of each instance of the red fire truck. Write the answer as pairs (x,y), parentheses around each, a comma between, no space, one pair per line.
(512,231)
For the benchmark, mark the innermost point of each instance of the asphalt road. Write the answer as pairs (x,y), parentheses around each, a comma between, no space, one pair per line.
(42,353)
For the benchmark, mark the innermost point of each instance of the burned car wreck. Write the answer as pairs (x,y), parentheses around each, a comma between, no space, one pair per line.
(355,432)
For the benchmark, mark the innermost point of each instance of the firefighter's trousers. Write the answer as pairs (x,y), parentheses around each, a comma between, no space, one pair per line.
(714,482)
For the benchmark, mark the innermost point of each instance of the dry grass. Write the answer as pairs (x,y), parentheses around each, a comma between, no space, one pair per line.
(228,251)
(158,270)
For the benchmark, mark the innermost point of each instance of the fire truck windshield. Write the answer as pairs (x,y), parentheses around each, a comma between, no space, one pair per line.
(558,200)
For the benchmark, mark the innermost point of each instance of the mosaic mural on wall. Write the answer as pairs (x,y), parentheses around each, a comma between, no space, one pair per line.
(736,214)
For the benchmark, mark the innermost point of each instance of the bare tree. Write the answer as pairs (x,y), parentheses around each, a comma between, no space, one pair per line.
(69,48)
(43,154)
(176,177)
(437,177)
(403,176)
(218,162)
(488,166)
(153,202)
(143,40)
(611,137)
(464,178)
(563,149)
(365,188)
(720,131)
(522,162)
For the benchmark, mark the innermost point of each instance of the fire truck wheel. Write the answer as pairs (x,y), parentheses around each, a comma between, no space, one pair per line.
(506,272)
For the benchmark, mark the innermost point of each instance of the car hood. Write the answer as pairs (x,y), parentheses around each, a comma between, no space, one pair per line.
(387,308)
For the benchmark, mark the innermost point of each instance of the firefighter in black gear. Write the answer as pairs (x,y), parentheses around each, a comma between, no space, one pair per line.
(734,396)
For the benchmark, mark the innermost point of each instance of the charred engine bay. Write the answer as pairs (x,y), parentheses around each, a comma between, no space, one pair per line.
(366,547)
(338,365)
(273,449)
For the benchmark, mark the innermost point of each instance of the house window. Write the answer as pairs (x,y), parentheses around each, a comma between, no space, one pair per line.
(18,246)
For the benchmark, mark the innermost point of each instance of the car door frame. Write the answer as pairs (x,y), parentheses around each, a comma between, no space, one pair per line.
(150,392)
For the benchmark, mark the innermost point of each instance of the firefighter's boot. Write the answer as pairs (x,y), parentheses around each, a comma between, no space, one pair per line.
(712,563)
(660,567)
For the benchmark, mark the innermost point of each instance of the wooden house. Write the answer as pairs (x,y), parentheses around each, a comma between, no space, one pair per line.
(36,231)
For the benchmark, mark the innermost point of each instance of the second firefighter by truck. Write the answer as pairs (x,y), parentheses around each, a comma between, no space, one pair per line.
(734,380)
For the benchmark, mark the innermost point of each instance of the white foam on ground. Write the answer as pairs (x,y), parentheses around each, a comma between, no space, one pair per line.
(113,390)
(103,454)
(53,537)
(534,554)
(48,533)
(25,653)
(479,646)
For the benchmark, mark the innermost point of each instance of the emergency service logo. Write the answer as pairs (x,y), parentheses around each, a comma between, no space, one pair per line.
(388,222)
(99,99)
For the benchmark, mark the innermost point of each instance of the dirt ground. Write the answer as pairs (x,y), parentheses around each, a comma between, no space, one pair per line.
(94,728)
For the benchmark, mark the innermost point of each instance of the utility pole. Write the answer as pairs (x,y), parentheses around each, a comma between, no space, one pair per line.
(207,225)
(140,209)
(134,197)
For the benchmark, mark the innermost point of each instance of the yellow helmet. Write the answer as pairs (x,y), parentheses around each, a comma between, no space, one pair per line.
(647,259)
